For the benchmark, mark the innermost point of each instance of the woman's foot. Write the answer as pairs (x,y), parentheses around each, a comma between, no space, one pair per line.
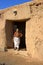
(17,49)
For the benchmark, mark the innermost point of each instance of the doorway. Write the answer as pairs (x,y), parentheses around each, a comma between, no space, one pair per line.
(21,26)
(10,28)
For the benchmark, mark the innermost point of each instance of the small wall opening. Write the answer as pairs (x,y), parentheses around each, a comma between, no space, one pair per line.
(10,28)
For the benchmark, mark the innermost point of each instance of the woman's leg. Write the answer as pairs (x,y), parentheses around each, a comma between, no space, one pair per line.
(15,44)
(18,43)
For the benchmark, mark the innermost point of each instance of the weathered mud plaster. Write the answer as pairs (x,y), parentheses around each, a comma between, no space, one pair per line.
(32,13)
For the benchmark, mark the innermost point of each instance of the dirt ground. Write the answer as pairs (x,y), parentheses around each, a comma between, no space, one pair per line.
(12,57)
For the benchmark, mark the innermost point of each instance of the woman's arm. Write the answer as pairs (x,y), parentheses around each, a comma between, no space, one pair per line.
(21,34)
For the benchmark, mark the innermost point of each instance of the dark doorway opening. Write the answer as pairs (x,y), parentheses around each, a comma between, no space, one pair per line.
(21,26)
(10,28)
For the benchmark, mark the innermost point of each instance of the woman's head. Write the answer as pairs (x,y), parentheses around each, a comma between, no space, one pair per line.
(17,30)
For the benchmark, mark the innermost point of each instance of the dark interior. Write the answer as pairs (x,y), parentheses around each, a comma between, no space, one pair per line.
(10,28)
(21,27)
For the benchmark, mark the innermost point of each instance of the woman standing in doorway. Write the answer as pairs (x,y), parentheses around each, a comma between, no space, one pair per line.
(16,39)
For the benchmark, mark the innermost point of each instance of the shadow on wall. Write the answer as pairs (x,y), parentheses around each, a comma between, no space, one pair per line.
(9,34)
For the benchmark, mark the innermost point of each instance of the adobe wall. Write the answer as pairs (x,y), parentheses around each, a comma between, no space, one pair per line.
(2,34)
(22,12)
(34,33)
(38,0)
(33,13)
